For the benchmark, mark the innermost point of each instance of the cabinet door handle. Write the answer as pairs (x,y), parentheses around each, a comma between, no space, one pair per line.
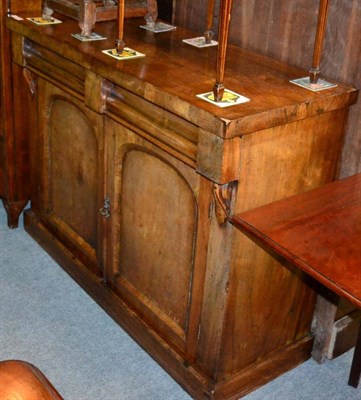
(105,210)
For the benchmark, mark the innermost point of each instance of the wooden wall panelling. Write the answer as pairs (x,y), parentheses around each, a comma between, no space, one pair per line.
(190,14)
(165,10)
(342,61)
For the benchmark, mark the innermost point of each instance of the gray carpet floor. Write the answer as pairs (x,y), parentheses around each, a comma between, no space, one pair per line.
(47,320)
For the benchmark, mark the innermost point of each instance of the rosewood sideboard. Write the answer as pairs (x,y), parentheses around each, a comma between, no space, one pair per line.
(133,179)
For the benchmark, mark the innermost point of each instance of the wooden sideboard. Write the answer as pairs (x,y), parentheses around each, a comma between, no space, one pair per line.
(133,179)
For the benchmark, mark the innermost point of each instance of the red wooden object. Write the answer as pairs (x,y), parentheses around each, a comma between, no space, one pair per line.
(21,380)
(319,232)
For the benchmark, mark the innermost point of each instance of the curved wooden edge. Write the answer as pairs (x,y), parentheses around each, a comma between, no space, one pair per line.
(22,380)
(336,204)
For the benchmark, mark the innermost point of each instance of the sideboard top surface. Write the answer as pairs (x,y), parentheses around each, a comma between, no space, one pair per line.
(173,73)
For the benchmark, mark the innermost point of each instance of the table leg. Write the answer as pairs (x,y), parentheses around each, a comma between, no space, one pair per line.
(355,373)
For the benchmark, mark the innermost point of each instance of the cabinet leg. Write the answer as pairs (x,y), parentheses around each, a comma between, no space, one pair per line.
(355,373)
(13,211)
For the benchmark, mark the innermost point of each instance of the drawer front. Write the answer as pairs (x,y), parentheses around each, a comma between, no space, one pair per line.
(54,67)
(171,133)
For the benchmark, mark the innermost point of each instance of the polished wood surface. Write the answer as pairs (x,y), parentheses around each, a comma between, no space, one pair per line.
(22,381)
(129,168)
(71,186)
(151,228)
(286,30)
(318,231)
(176,91)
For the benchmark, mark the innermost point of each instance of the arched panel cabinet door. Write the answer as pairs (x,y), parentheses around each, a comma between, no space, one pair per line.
(159,229)
(68,170)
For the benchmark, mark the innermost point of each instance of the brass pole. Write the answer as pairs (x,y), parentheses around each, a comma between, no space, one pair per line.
(314,72)
(224,20)
(208,34)
(120,44)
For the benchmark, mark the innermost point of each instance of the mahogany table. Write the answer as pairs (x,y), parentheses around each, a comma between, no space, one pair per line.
(320,233)
(23,381)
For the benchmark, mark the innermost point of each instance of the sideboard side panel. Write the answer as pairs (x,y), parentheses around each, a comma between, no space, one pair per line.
(270,305)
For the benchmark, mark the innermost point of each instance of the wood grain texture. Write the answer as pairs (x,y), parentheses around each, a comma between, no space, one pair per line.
(216,284)
(176,91)
(322,324)
(68,188)
(266,159)
(318,231)
(14,162)
(150,238)
(17,132)
(345,332)
(203,311)
(172,133)
(156,262)
(286,30)
(218,159)
(102,11)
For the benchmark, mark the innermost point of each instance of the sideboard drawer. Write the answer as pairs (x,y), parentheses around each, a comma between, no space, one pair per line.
(54,67)
(168,131)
